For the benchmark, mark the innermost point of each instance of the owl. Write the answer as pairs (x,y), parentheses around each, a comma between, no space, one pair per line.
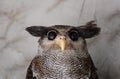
(63,52)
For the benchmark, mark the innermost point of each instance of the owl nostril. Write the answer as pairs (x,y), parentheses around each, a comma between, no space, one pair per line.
(62,37)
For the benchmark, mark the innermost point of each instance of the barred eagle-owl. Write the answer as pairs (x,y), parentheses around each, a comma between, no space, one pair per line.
(63,52)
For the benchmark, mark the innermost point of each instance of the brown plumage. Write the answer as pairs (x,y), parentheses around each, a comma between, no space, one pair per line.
(63,52)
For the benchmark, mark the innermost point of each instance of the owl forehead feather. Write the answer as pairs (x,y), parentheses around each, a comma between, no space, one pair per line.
(61,27)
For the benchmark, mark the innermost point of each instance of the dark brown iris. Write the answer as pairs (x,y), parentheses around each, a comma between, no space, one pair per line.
(74,35)
(51,34)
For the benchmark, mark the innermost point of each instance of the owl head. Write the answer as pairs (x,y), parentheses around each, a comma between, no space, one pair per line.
(64,37)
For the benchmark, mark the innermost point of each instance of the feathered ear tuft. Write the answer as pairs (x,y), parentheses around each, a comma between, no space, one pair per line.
(89,30)
(38,31)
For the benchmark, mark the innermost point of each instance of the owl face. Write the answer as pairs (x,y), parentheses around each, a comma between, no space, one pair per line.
(63,37)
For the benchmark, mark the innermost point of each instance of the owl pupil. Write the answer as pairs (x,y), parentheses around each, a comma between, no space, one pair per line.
(52,35)
(74,35)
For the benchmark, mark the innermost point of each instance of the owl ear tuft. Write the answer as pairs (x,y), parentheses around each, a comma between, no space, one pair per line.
(38,31)
(89,30)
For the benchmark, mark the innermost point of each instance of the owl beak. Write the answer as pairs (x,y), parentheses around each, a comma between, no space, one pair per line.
(62,42)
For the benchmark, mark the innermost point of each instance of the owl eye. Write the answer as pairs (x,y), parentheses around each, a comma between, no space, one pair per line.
(74,35)
(51,34)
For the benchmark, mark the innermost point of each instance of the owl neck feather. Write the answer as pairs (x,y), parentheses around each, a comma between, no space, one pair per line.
(60,65)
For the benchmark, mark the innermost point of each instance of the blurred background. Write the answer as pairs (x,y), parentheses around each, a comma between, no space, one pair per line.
(17,47)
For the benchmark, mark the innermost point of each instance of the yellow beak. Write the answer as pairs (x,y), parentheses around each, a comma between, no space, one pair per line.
(62,43)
